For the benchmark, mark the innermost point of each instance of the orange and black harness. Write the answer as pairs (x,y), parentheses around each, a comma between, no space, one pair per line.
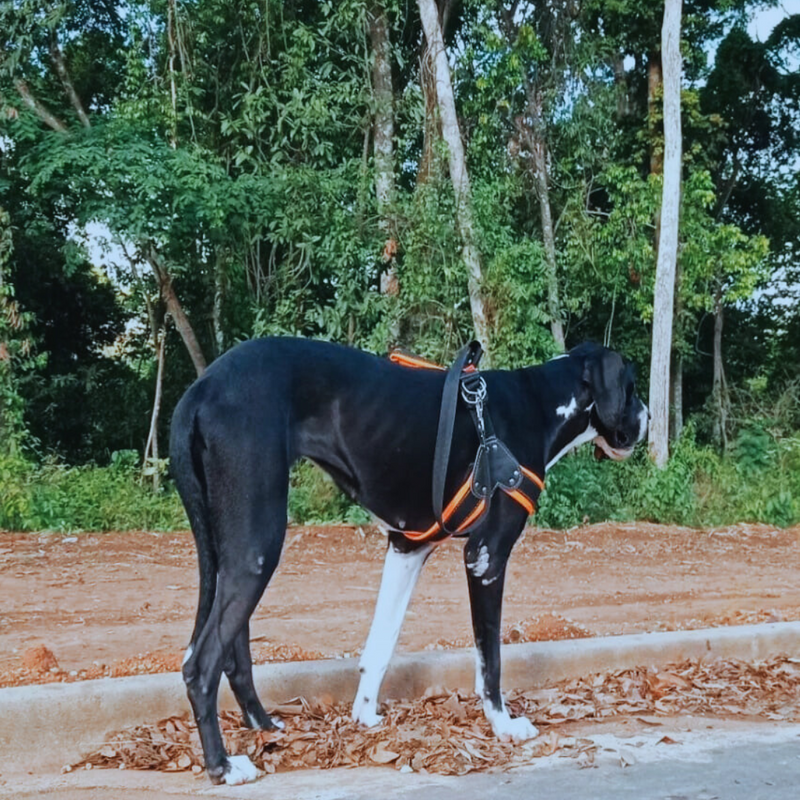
(494,468)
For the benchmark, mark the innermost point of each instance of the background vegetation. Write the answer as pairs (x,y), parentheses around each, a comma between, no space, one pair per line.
(229,155)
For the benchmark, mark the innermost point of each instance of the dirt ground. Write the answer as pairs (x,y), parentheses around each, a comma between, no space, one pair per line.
(123,603)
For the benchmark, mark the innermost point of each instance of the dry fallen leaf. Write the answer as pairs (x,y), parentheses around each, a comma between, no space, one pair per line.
(445,732)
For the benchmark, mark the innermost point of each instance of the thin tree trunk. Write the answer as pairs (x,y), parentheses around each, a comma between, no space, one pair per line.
(383,123)
(655,79)
(676,398)
(458,166)
(432,128)
(151,448)
(38,108)
(383,148)
(173,90)
(540,158)
(663,301)
(719,389)
(676,374)
(57,57)
(175,310)
(219,301)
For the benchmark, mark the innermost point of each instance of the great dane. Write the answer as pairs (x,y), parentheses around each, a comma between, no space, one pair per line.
(371,425)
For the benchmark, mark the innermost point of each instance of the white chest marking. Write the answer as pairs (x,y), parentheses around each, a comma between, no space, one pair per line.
(587,436)
(566,411)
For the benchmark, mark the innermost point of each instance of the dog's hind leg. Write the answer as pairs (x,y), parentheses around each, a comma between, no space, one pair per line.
(401,570)
(247,509)
(239,669)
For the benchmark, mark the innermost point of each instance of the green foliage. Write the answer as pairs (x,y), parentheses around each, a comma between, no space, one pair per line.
(56,497)
(758,482)
(16,350)
(315,499)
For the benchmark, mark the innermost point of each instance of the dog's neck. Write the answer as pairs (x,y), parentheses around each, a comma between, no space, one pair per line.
(566,406)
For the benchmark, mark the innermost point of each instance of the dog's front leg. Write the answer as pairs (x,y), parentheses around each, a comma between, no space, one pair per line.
(486,572)
(401,570)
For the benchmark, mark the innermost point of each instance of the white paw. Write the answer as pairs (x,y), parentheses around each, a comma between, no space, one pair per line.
(240,770)
(516,730)
(278,723)
(368,717)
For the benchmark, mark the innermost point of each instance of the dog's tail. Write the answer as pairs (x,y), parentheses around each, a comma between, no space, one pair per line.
(186,448)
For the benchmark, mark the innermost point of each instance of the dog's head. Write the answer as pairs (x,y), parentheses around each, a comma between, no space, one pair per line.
(617,414)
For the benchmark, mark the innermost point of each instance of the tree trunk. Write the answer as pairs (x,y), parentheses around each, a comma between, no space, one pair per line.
(57,57)
(540,157)
(173,90)
(432,129)
(383,123)
(663,301)
(38,108)
(219,301)
(676,374)
(151,448)
(654,82)
(458,166)
(676,397)
(719,388)
(175,310)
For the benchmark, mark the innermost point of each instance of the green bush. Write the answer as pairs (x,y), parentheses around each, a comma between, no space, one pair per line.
(57,497)
(759,481)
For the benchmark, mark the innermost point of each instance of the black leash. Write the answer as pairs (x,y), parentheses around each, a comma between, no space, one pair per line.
(495,466)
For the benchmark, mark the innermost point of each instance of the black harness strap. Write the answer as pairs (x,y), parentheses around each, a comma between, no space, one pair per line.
(468,357)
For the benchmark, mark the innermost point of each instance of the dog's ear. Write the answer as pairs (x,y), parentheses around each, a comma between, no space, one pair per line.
(605,372)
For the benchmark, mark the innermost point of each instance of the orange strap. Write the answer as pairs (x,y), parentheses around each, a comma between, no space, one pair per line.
(467,508)
(407,360)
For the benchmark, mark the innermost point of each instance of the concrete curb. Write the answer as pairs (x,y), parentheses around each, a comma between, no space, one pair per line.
(44,727)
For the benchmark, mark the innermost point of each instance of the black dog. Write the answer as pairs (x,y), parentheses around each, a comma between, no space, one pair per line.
(372,426)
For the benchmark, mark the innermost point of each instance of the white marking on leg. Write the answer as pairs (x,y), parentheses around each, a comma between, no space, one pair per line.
(481,563)
(580,439)
(503,726)
(517,730)
(400,574)
(188,654)
(568,410)
(478,673)
(240,770)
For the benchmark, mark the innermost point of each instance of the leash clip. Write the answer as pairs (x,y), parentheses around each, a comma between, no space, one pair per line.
(473,392)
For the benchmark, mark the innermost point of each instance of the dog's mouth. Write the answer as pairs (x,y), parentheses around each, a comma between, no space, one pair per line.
(602,449)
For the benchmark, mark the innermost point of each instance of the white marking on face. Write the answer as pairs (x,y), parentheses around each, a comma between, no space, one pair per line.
(481,564)
(567,410)
(188,654)
(644,416)
(240,770)
(400,574)
(488,581)
(580,439)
